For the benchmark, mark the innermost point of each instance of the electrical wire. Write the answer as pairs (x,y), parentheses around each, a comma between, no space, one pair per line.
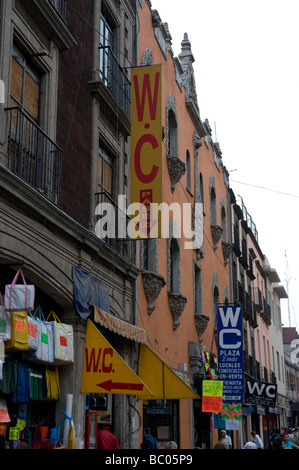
(266,189)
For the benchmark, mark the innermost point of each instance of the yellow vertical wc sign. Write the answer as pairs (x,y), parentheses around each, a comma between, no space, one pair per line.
(146,151)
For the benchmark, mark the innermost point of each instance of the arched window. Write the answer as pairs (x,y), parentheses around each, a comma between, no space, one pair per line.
(223,219)
(174,285)
(213,206)
(198,305)
(172,128)
(201,188)
(188,167)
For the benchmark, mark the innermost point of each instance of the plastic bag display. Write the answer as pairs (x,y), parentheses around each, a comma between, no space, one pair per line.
(19,332)
(63,340)
(33,332)
(22,394)
(45,340)
(19,297)
(52,381)
(5,319)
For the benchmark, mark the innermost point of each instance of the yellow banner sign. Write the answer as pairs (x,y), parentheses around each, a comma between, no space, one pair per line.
(104,370)
(146,151)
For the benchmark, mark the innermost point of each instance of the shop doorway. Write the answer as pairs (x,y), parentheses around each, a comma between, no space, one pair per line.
(161,416)
(202,427)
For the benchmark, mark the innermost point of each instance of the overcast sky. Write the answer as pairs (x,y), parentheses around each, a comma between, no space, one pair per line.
(247,82)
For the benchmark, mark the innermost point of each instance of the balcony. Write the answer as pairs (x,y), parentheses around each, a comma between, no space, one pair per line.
(112,89)
(258,300)
(115,79)
(243,258)
(115,228)
(32,155)
(266,313)
(236,243)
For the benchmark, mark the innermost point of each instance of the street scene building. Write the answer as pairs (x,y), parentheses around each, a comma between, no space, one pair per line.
(98,114)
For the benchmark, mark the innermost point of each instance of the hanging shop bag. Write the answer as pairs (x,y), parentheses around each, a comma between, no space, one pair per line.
(19,332)
(63,340)
(52,380)
(5,319)
(45,340)
(33,332)
(38,442)
(22,395)
(19,297)
(36,382)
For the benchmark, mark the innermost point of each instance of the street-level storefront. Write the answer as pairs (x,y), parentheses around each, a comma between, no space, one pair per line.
(37,350)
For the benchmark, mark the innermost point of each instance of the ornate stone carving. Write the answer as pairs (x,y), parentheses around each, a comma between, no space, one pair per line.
(195,360)
(176,169)
(152,284)
(196,141)
(147,57)
(186,57)
(226,249)
(216,234)
(177,304)
(201,323)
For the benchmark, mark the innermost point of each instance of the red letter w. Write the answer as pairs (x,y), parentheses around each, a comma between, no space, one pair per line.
(146,89)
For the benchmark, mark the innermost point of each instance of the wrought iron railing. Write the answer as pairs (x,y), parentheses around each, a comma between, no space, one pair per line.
(115,79)
(115,231)
(32,155)
(60,6)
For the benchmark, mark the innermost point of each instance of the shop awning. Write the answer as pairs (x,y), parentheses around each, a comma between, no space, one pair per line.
(104,370)
(163,382)
(119,326)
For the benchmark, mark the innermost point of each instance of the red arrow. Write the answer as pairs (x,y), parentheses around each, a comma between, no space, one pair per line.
(109,385)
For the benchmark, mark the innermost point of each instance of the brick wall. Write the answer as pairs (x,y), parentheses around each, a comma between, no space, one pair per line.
(74,125)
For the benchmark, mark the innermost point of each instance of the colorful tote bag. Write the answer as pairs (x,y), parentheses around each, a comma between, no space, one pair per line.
(19,332)
(63,340)
(19,297)
(5,319)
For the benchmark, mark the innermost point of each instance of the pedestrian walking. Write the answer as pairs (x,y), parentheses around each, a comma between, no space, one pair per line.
(226,439)
(220,445)
(277,443)
(171,445)
(257,440)
(287,443)
(105,438)
(147,436)
(250,445)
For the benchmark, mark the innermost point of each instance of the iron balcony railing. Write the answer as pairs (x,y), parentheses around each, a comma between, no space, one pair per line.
(115,231)
(115,79)
(32,155)
(60,6)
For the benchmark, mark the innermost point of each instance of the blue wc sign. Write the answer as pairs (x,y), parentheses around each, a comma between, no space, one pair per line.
(230,352)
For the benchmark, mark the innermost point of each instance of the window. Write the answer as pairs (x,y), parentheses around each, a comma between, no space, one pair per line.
(213,206)
(25,85)
(278,366)
(223,223)
(188,165)
(174,286)
(172,134)
(32,155)
(105,174)
(106,48)
(201,188)
(197,289)
(149,255)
